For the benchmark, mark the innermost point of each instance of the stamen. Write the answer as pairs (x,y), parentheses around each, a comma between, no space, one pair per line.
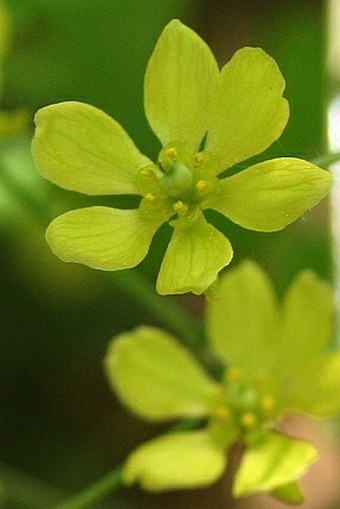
(146,172)
(198,158)
(201,185)
(150,197)
(180,207)
(171,153)
(248,420)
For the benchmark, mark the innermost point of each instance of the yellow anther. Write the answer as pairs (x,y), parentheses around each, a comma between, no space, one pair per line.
(180,207)
(198,158)
(171,153)
(233,374)
(248,420)
(201,185)
(146,172)
(267,402)
(150,197)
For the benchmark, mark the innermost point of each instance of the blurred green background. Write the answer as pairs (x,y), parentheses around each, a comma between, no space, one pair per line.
(59,423)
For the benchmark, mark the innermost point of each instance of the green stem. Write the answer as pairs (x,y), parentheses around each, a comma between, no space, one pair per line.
(23,199)
(24,491)
(163,309)
(94,493)
(326,159)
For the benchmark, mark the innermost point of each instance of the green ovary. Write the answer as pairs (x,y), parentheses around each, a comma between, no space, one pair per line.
(175,184)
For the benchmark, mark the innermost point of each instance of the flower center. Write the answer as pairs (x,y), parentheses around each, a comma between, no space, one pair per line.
(179,184)
(177,178)
(245,404)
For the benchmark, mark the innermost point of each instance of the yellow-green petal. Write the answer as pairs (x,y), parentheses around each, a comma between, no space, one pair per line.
(270,195)
(155,377)
(326,396)
(80,148)
(102,237)
(311,387)
(300,362)
(194,257)
(249,113)
(178,461)
(275,461)
(242,320)
(179,85)
(307,317)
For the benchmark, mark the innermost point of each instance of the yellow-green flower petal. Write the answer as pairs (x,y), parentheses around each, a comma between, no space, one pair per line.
(80,148)
(311,387)
(241,321)
(300,363)
(194,257)
(176,461)
(275,461)
(155,377)
(102,237)
(325,399)
(270,195)
(249,113)
(179,86)
(307,313)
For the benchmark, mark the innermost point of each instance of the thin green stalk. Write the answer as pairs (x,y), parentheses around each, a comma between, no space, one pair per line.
(24,200)
(94,493)
(24,491)
(326,159)
(163,309)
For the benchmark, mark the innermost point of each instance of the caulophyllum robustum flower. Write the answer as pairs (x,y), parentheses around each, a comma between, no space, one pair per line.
(277,362)
(207,121)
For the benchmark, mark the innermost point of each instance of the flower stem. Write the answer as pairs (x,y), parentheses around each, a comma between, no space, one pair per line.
(24,200)
(164,309)
(326,159)
(23,491)
(234,455)
(94,493)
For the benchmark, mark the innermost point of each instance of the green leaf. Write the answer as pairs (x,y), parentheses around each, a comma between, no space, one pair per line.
(102,237)
(289,493)
(270,195)
(80,148)
(275,461)
(242,320)
(249,113)
(195,255)
(155,377)
(179,86)
(177,461)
